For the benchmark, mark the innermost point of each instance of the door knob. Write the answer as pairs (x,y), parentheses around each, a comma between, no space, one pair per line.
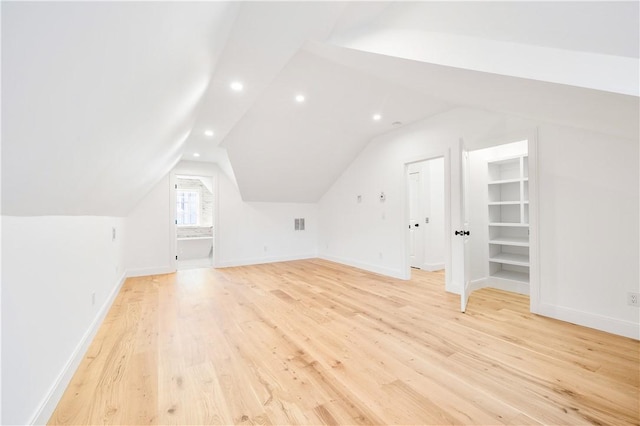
(462,232)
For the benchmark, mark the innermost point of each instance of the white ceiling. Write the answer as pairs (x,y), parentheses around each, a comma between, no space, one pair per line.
(585,44)
(589,109)
(100,100)
(265,36)
(299,149)
(604,27)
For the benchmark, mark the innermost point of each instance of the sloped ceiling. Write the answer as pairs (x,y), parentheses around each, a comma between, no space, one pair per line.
(100,100)
(595,110)
(586,44)
(299,149)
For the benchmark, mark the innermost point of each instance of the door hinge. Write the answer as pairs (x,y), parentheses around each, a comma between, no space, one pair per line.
(176,257)
(176,221)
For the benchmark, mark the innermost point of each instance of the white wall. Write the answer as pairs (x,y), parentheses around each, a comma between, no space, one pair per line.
(434,248)
(588,211)
(370,234)
(149,232)
(51,265)
(242,230)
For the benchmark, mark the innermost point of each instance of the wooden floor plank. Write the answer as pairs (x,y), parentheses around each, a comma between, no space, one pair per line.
(315,342)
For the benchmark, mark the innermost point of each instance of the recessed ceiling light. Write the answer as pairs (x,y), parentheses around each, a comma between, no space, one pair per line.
(237,86)
(377,117)
(208,133)
(299,98)
(195,154)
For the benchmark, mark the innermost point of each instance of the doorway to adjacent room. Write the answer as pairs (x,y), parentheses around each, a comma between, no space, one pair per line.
(194,207)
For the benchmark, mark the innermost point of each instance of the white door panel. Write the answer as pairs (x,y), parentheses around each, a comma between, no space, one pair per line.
(415,236)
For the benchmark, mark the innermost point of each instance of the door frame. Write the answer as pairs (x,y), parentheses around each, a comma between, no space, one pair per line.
(446,155)
(531,135)
(172,212)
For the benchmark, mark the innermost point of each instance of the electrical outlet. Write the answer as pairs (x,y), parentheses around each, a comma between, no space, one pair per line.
(266,249)
(633,299)
(93,298)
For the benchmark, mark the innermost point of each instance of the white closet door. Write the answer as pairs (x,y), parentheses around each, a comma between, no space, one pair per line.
(416,240)
(461,237)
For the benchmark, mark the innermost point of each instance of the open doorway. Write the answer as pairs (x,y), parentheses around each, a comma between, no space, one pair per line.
(194,207)
(499,206)
(426,205)
(502,222)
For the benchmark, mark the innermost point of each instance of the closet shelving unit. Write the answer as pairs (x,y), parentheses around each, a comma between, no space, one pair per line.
(508,204)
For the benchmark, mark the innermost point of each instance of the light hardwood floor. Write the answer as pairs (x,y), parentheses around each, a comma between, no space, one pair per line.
(313,342)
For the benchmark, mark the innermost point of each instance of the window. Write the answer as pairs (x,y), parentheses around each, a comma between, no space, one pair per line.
(187,208)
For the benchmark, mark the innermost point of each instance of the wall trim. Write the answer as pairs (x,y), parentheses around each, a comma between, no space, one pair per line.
(478,284)
(394,273)
(432,266)
(262,260)
(50,401)
(587,319)
(143,272)
(508,285)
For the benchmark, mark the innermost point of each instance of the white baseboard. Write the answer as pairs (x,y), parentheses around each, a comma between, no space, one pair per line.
(508,285)
(432,267)
(143,272)
(599,322)
(262,260)
(500,284)
(50,401)
(394,273)
(587,319)
(478,284)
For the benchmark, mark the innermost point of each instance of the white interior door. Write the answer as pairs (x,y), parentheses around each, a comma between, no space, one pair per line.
(462,235)
(415,232)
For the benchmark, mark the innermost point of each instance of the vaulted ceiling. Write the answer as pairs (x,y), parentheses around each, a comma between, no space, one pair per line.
(100,100)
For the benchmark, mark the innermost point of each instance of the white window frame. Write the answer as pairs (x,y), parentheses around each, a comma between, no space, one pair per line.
(198,198)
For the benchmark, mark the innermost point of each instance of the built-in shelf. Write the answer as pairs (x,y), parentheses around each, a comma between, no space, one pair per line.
(505,203)
(508,206)
(194,238)
(511,241)
(503,181)
(510,259)
(511,275)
